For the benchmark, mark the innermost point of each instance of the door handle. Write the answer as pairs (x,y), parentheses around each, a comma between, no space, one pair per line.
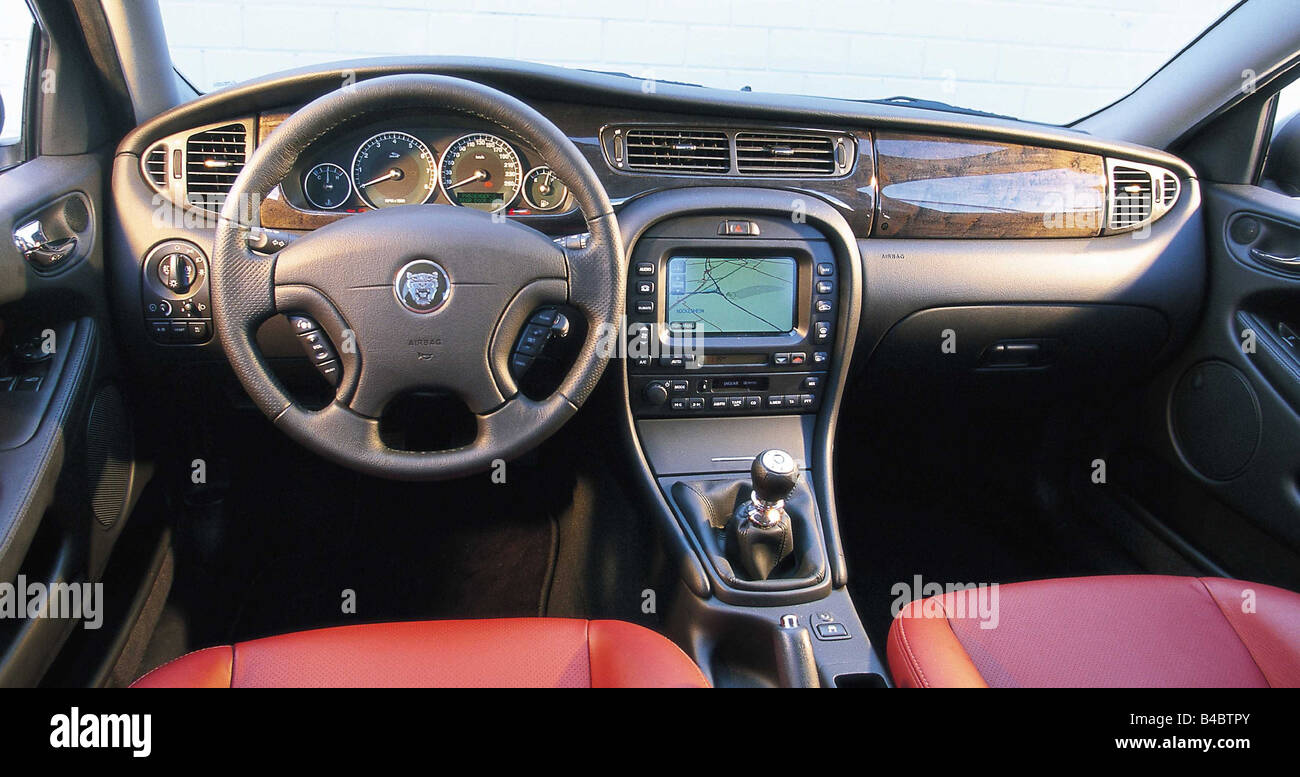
(38,249)
(1285,263)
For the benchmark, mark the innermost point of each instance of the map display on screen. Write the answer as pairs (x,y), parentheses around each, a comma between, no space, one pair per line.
(735,295)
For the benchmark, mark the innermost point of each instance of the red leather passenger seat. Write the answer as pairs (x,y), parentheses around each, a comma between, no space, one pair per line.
(509,652)
(1122,631)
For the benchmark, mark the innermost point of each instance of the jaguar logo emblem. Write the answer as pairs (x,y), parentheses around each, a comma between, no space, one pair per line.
(422,286)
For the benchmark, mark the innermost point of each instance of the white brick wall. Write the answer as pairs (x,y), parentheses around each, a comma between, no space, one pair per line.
(1044,60)
(15,32)
(1048,60)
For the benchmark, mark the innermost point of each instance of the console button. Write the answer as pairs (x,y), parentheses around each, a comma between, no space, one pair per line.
(731,227)
(821,357)
(812,381)
(831,631)
(792,400)
(735,403)
(160,330)
(679,386)
(645,287)
(825,269)
(645,268)
(753,402)
(696,403)
(798,358)
(679,403)
(28,383)
(776,400)
(177,331)
(718,403)
(822,306)
(645,306)
(780,358)
(821,331)
(672,361)
(6,382)
(807,400)
(825,287)
(198,331)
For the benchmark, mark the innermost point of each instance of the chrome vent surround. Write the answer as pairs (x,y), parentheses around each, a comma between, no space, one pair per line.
(725,151)
(154,165)
(213,159)
(1138,194)
(779,153)
(681,150)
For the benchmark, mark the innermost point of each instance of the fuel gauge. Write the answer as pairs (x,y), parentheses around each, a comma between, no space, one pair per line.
(543,190)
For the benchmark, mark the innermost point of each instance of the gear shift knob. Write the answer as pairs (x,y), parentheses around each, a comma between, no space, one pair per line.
(774,474)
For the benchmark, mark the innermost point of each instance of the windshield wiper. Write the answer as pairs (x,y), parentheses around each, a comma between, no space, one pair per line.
(935,105)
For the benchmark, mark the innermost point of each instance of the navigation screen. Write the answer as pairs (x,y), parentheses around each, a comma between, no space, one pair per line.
(751,295)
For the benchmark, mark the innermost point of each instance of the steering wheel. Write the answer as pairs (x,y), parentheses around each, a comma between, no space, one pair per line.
(419,296)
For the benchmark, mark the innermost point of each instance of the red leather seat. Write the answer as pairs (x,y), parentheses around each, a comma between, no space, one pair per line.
(510,652)
(1122,631)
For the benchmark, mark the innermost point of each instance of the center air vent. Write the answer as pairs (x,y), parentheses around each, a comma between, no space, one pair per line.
(774,153)
(687,151)
(213,158)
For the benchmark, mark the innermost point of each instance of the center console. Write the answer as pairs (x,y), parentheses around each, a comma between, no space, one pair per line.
(743,307)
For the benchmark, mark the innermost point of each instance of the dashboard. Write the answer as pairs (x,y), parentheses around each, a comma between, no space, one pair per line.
(1025,239)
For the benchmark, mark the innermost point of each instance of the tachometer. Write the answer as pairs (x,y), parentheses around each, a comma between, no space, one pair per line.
(394,168)
(326,186)
(481,171)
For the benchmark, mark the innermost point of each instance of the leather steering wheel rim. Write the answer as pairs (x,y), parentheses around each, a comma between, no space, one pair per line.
(331,274)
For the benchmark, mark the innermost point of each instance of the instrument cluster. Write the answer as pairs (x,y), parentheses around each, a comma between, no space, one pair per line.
(383,168)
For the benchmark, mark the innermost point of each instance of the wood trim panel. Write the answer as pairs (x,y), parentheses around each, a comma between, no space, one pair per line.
(276,213)
(944,187)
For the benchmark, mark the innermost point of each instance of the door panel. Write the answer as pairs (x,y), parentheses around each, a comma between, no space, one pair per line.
(66,460)
(1226,413)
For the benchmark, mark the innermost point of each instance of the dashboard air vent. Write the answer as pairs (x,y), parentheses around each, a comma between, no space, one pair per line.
(687,151)
(213,158)
(1168,190)
(1130,197)
(155,166)
(777,153)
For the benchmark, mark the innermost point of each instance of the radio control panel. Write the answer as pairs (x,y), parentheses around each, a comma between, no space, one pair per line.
(730,320)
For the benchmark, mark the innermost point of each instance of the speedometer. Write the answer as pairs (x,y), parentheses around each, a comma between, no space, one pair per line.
(394,168)
(481,171)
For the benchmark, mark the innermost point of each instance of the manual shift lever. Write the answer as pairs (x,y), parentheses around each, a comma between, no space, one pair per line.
(759,533)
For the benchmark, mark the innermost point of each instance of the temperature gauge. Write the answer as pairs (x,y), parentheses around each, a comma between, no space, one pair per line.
(326,186)
(543,190)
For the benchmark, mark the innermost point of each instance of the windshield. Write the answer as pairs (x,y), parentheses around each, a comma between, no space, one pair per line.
(1046,62)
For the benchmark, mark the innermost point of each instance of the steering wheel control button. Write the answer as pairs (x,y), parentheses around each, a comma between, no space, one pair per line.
(302,324)
(422,286)
(330,372)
